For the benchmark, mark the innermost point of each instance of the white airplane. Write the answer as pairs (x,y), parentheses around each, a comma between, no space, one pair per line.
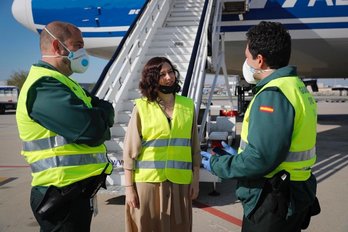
(319,28)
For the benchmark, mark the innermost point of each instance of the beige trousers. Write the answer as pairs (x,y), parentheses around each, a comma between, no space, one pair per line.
(164,207)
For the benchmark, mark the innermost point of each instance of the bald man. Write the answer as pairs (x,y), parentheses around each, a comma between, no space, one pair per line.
(63,129)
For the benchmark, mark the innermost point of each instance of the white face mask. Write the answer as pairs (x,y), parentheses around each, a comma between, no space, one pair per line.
(79,59)
(249,73)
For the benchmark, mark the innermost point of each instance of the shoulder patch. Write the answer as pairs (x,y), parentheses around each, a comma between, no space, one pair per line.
(267,109)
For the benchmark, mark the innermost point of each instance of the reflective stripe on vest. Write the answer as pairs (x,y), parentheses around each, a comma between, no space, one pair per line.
(166,142)
(45,143)
(67,160)
(163,164)
(291,156)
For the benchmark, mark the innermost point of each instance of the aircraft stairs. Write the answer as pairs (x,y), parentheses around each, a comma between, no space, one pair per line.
(176,29)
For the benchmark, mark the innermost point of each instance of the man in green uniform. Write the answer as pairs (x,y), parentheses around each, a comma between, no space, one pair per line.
(277,150)
(63,129)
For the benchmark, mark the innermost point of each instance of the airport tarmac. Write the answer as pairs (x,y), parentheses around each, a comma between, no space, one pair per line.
(210,213)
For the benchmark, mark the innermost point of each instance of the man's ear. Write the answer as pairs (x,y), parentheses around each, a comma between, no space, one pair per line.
(55,47)
(261,63)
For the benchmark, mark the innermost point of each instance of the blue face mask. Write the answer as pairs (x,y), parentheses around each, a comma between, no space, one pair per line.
(79,60)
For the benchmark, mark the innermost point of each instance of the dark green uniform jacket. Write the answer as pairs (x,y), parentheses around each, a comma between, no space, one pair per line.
(270,139)
(54,106)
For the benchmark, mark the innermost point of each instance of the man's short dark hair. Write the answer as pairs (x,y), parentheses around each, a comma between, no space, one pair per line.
(272,41)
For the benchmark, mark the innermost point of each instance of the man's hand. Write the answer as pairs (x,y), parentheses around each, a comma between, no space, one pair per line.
(228,148)
(206,160)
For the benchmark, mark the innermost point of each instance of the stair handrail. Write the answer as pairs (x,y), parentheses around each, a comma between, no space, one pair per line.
(193,63)
(218,62)
(215,37)
(119,71)
(118,49)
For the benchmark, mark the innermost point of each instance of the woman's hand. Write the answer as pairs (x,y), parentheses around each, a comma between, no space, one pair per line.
(194,190)
(132,197)
(194,187)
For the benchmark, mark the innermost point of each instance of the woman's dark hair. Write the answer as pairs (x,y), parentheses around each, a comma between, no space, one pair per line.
(272,41)
(149,82)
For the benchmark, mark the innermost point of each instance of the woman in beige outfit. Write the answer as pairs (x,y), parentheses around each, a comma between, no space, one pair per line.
(158,205)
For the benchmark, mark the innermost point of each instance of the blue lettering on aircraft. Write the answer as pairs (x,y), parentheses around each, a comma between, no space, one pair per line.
(88,13)
(292,13)
(121,13)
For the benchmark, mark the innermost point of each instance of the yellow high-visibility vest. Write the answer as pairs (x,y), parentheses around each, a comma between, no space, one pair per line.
(166,151)
(53,160)
(302,154)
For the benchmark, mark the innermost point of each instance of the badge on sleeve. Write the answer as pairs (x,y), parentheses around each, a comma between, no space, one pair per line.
(267,109)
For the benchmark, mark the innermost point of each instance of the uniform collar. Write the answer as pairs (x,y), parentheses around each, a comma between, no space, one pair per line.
(44,64)
(279,73)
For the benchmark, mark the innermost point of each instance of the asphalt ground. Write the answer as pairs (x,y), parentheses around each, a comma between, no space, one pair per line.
(212,211)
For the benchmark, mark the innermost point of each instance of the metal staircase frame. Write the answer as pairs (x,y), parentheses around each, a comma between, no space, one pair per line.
(217,62)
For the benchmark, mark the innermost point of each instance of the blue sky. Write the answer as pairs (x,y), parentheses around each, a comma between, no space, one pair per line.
(19,48)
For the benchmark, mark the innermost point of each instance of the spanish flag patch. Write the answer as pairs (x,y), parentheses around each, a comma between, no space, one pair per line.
(267,109)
